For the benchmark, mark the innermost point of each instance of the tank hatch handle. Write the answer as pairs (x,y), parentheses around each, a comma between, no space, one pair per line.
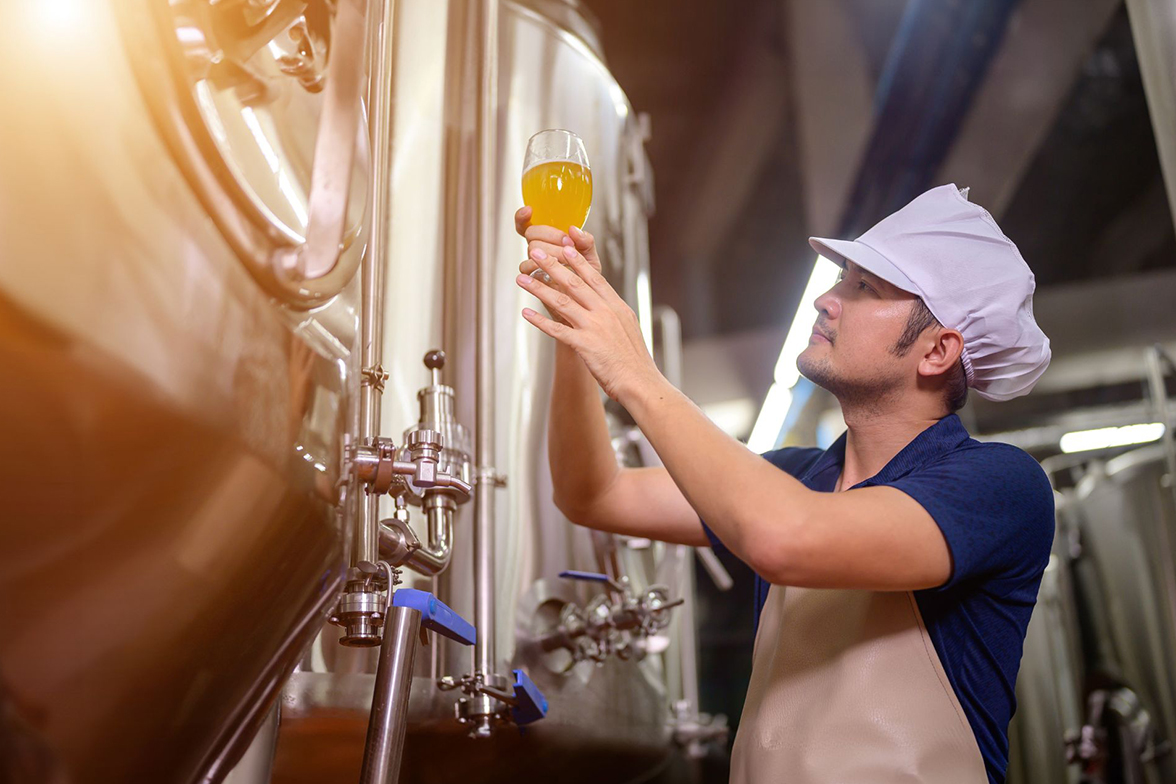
(334,150)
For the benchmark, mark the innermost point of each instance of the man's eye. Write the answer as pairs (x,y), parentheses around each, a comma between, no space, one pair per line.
(862,285)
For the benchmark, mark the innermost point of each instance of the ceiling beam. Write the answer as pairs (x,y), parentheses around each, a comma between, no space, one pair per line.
(737,137)
(1153,26)
(834,100)
(1043,50)
(938,60)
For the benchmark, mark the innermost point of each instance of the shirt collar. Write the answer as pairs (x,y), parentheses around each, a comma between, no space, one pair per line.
(940,438)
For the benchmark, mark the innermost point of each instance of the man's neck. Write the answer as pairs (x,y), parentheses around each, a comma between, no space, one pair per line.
(874,438)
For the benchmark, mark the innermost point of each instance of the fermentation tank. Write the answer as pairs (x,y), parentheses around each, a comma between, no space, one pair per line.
(172,430)
(238,240)
(608,716)
(1050,682)
(1124,576)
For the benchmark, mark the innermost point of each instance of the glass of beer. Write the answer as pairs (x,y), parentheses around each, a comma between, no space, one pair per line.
(557,181)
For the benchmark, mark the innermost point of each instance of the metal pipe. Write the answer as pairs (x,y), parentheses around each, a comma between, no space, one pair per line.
(1153,26)
(484,654)
(433,558)
(669,331)
(714,568)
(389,716)
(1157,358)
(688,629)
(367,531)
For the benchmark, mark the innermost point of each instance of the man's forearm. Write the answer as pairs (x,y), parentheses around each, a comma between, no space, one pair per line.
(579,449)
(738,493)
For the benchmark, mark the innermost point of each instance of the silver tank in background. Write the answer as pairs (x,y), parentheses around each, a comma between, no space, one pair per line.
(1050,682)
(609,704)
(1125,579)
(1096,694)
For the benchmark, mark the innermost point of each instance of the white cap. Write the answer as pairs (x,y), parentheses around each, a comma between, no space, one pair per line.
(972,278)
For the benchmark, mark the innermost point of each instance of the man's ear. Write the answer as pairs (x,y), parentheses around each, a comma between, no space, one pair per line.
(941,356)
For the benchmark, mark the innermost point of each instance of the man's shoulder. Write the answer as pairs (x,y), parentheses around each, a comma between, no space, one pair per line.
(997,463)
(795,460)
(992,479)
(995,506)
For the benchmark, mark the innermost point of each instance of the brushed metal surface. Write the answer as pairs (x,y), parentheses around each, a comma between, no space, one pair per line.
(1128,522)
(172,436)
(1050,683)
(159,578)
(546,78)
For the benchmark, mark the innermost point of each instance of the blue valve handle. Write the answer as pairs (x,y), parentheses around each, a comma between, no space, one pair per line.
(531,704)
(595,577)
(436,615)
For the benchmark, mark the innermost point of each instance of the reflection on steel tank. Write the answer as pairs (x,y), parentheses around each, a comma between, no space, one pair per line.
(230,232)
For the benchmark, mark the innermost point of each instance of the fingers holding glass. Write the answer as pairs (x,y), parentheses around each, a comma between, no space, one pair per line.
(558,303)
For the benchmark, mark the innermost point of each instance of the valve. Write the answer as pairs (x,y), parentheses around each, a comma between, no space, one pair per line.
(360,609)
(695,732)
(613,623)
(437,435)
(381,472)
(524,703)
(431,470)
(530,704)
(436,616)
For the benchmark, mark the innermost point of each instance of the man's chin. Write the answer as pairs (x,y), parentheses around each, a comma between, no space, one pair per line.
(813,369)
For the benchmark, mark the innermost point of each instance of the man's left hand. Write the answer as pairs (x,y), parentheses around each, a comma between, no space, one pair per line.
(601,328)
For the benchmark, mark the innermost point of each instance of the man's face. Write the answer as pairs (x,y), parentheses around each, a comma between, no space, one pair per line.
(859,321)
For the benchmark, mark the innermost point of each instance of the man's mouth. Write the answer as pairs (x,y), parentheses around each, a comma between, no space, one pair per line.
(821,335)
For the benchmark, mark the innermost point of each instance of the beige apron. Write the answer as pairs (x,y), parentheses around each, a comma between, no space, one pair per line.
(846,688)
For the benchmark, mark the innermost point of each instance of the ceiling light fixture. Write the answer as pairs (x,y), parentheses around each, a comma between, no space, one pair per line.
(1107,437)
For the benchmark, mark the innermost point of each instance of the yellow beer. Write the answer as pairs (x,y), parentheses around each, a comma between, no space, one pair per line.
(559,193)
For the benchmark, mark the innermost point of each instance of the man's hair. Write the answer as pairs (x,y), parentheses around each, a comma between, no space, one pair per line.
(920,318)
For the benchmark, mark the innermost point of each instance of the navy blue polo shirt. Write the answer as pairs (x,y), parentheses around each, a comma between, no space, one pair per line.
(995,507)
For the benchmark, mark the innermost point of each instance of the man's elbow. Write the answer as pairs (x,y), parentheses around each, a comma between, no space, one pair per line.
(773,563)
(778,555)
(568,509)
(583,503)
(575,509)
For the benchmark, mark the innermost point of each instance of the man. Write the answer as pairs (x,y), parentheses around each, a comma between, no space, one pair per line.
(896,571)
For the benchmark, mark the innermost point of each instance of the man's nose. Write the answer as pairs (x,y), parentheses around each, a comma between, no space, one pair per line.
(828,304)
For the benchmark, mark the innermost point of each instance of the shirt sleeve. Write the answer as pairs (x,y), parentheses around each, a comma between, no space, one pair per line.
(995,507)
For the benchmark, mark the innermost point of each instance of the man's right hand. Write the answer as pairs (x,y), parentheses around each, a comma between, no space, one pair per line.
(551,241)
(589,488)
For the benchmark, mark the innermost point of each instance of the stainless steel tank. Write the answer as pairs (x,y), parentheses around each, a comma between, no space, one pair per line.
(1127,522)
(1050,683)
(173,415)
(187,378)
(609,717)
